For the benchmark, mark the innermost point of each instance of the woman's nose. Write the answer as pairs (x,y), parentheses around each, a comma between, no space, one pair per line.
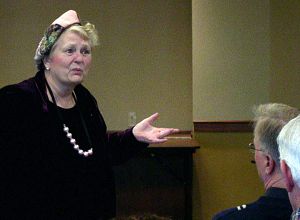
(78,57)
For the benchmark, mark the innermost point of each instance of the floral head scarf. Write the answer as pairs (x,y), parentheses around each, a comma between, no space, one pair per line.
(51,35)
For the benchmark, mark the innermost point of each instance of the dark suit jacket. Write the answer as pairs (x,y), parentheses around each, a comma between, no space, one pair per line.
(273,205)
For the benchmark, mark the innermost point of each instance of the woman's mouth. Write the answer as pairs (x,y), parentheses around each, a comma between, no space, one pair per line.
(77,70)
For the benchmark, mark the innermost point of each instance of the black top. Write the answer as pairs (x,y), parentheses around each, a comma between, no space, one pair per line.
(41,175)
(273,205)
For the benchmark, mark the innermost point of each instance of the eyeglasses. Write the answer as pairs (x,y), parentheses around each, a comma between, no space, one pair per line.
(252,148)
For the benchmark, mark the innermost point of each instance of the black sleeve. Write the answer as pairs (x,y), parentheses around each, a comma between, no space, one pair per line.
(123,145)
(120,146)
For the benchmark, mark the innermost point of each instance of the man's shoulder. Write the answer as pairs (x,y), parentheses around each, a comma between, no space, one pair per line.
(238,212)
(263,208)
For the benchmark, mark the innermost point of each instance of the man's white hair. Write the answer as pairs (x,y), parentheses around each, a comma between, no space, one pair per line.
(289,147)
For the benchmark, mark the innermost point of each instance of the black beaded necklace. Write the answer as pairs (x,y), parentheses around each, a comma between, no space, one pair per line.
(66,128)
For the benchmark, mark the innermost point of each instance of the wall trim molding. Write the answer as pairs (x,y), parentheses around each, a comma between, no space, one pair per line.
(223,126)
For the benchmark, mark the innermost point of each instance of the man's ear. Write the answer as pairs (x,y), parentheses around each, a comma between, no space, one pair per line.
(287,175)
(270,164)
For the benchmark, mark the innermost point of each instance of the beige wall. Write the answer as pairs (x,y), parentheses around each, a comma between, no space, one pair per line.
(143,65)
(285,52)
(231,58)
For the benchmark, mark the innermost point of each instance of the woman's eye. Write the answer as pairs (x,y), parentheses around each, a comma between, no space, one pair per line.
(69,51)
(86,51)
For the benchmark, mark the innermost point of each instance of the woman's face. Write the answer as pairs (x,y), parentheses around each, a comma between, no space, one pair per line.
(69,60)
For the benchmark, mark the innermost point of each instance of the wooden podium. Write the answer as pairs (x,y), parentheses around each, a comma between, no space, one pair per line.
(159,181)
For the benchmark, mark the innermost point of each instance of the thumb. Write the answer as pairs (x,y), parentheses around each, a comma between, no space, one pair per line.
(152,118)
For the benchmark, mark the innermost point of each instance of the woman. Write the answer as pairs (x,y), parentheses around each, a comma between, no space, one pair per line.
(56,157)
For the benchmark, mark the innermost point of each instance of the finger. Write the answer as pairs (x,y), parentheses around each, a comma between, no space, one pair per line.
(175,130)
(167,131)
(152,118)
(158,141)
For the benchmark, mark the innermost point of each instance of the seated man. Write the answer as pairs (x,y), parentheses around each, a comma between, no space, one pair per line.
(289,148)
(274,204)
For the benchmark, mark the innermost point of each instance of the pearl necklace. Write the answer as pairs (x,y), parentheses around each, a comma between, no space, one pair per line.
(67,130)
(76,146)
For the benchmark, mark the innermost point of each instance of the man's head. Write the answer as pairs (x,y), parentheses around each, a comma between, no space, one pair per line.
(268,122)
(289,148)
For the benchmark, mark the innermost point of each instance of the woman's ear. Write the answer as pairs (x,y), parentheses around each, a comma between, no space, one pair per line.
(46,62)
(287,175)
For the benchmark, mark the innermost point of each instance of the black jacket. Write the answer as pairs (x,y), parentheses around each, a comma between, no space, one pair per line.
(273,205)
(41,175)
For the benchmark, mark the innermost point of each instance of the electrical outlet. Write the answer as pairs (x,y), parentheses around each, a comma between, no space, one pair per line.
(131,119)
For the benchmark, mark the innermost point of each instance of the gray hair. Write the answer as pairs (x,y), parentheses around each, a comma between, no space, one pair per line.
(268,121)
(289,144)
